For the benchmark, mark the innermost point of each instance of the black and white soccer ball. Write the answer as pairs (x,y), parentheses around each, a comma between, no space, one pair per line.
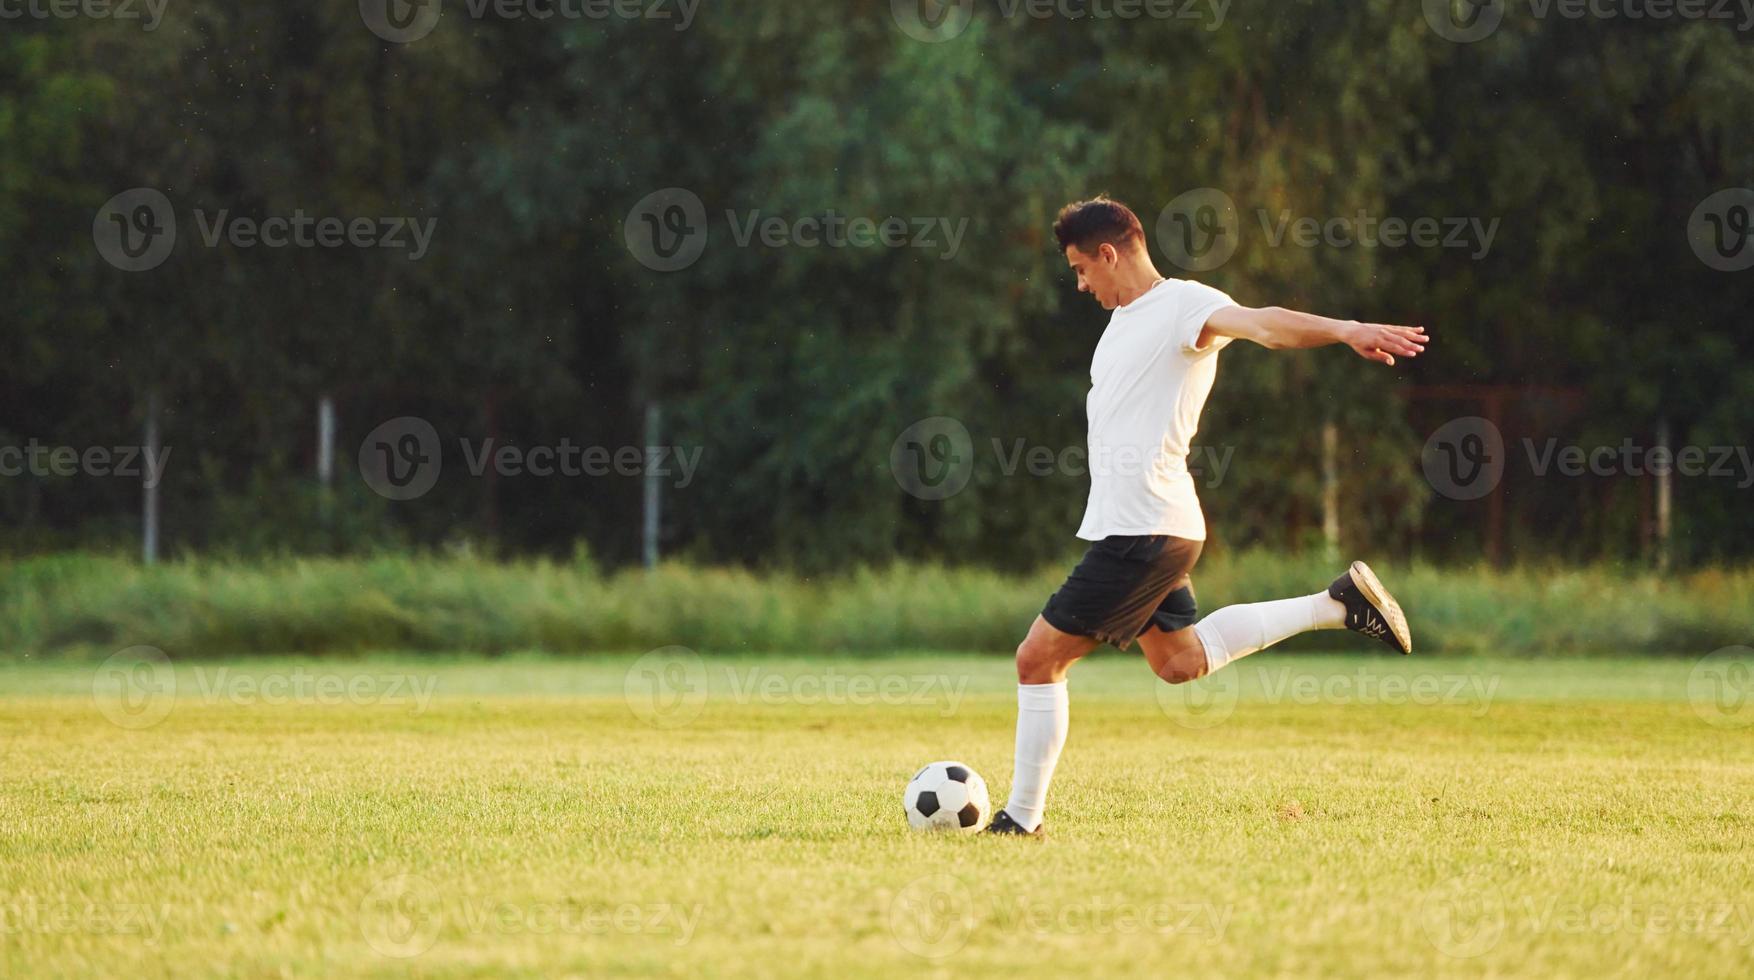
(947,796)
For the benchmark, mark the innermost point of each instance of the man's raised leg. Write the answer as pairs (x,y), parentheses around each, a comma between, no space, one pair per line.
(1356,601)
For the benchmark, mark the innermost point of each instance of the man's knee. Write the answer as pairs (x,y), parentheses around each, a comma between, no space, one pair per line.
(1041,660)
(1176,659)
(1180,671)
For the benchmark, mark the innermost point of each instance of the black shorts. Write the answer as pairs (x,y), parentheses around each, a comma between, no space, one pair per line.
(1126,585)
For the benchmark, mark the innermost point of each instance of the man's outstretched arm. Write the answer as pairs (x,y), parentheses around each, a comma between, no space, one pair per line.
(1276,328)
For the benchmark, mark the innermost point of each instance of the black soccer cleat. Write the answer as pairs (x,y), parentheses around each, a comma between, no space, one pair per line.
(1003,824)
(1370,609)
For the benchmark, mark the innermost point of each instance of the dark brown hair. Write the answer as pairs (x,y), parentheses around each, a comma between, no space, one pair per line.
(1097,222)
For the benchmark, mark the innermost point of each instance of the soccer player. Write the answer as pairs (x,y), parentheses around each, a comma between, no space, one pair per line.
(1149,379)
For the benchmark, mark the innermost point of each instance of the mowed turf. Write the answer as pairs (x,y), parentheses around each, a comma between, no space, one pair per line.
(700,816)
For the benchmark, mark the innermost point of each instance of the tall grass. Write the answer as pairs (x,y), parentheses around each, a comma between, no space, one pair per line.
(197,608)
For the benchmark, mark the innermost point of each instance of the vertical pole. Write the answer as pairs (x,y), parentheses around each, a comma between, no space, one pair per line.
(1664,496)
(1331,489)
(325,460)
(653,500)
(149,487)
(326,441)
(1495,499)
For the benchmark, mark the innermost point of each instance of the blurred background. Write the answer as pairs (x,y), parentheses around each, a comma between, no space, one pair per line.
(478,308)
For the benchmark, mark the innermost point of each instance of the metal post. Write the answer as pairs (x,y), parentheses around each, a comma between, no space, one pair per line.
(149,486)
(1664,496)
(653,499)
(326,441)
(1331,489)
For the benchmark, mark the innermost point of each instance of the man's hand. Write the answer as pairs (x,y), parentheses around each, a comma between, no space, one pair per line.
(1382,341)
(1277,328)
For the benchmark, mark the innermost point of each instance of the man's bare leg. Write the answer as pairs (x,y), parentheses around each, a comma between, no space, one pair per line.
(1043,658)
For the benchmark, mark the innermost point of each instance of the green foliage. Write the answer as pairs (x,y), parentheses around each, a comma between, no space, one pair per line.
(204,609)
(794,369)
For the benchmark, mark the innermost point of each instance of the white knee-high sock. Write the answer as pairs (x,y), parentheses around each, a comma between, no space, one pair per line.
(1237,631)
(1042,718)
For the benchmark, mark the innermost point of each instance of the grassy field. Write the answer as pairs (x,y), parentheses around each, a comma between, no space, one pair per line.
(676,815)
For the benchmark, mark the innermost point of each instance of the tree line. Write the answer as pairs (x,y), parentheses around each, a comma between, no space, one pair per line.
(571,253)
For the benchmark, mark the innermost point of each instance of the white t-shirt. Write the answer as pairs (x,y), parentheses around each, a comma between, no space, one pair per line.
(1148,383)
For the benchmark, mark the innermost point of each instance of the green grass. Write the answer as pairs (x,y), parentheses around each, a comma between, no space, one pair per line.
(1471,817)
(223,608)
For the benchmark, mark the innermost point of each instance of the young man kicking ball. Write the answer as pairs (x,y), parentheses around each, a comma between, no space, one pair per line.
(1149,379)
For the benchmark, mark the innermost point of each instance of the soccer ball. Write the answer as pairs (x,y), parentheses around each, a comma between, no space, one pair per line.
(947,796)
